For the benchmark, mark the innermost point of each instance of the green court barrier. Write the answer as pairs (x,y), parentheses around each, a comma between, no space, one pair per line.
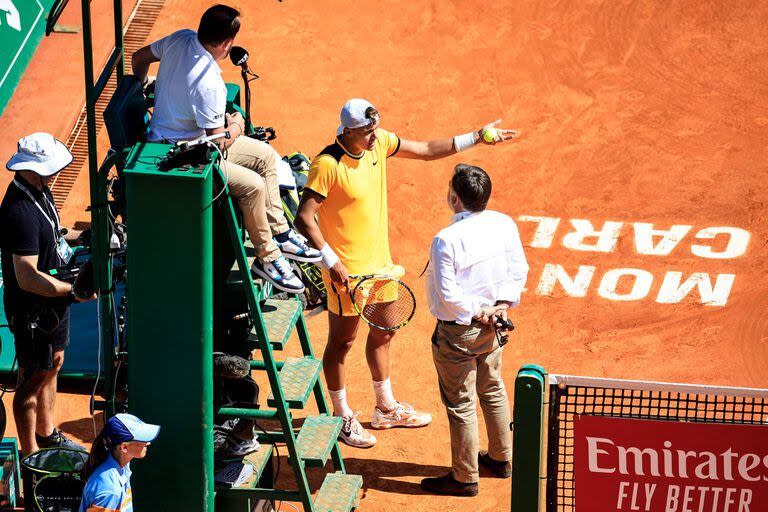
(22,25)
(529,426)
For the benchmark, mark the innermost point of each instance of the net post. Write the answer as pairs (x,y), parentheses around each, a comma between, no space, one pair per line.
(529,421)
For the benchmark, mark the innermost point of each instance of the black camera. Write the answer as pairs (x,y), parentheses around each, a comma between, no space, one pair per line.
(506,325)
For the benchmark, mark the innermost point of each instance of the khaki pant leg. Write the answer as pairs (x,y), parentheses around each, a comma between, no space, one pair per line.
(456,373)
(249,189)
(262,158)
(494,403)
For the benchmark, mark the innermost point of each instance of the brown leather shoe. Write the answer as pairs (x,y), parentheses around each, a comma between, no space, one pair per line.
(448,486)
(500,468)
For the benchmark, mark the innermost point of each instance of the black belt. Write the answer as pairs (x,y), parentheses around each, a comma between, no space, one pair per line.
(454,322)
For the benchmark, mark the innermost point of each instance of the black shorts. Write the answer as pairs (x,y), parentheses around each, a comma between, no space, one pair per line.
(37,335)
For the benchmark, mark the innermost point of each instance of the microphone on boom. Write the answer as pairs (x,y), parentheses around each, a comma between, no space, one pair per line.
(239,56)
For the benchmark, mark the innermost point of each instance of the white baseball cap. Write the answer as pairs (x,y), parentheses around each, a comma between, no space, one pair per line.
(353,115)
(40,153)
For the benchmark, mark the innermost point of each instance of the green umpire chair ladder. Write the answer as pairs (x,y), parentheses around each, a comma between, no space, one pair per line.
(293,381)
(170,325)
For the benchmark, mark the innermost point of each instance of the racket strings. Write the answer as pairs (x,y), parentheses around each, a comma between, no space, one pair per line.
(385,303)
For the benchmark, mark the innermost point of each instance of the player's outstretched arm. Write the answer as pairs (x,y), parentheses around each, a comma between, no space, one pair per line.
(439,148)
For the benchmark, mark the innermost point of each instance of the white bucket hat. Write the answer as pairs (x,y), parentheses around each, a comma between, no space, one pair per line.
(353,115)
(40,153)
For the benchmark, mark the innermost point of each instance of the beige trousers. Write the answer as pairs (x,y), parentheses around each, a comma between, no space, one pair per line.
(468,363)
(251,173)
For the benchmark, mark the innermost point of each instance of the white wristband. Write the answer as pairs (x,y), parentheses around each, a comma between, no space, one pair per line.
(329,257)
(462,142)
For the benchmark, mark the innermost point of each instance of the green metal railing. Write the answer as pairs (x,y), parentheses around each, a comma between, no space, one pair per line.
(528,442)
(100,222)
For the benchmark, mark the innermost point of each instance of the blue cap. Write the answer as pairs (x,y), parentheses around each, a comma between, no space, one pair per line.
(123,427)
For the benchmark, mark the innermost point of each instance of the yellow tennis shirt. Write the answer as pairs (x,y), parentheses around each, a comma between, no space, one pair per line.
(353,217)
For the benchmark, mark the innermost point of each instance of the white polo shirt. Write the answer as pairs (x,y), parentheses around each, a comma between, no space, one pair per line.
(190,94)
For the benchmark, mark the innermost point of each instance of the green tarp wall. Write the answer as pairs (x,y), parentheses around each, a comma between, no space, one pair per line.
(22,26)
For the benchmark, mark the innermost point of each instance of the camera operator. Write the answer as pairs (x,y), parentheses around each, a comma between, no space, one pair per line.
(477,269)
(36,303)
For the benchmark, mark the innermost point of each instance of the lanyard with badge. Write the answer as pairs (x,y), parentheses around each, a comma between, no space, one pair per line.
(63,249)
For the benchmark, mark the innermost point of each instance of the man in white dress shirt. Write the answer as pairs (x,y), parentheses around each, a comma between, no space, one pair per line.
(477,270)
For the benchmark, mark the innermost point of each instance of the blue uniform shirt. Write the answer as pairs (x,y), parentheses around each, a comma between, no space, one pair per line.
(108,489)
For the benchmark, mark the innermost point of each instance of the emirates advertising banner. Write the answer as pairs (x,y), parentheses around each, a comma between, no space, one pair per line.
(627,465)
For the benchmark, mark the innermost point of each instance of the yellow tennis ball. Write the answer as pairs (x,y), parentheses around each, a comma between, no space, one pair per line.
(490,135)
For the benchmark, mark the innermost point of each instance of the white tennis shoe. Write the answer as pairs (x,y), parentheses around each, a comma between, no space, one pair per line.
(404,415)
(353,433)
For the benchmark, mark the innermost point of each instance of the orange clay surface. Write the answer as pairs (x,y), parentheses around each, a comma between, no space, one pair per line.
(629,111)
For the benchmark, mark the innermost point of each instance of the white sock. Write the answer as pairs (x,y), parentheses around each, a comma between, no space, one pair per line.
(339,401)
(385,400)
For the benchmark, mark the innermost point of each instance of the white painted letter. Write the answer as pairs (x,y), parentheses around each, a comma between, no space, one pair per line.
(606,237)
(640,287)
(737,243)
(710,465)
(644,234)
(746,464)
(545,231)
(622,494)
(673,495)
(745,500)
(594,451)
(576,287)
(649,490)
(653,460)
(672,291)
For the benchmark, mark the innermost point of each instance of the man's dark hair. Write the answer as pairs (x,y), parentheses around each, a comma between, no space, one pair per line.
(472,185)
(218,24)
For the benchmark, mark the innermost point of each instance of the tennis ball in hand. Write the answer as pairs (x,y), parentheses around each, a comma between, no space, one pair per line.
(490,135)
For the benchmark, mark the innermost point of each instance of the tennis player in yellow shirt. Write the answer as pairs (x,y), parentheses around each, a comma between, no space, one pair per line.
(347,192)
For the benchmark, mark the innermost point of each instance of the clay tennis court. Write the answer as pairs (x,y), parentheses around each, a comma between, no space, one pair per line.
(630,112)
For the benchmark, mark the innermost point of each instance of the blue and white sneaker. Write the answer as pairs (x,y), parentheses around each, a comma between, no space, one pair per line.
(279,273)
(238,448)
(296,248)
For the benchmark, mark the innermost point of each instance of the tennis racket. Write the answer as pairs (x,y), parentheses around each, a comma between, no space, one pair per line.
(384,302)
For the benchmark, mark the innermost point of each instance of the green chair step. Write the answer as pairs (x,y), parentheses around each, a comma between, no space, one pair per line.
(339,493)
(259,460)
(317,437)
(280,316)
(297,378)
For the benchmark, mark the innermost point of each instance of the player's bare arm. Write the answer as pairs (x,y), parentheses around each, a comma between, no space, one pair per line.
(439,148)
(306,224)
(140,62)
